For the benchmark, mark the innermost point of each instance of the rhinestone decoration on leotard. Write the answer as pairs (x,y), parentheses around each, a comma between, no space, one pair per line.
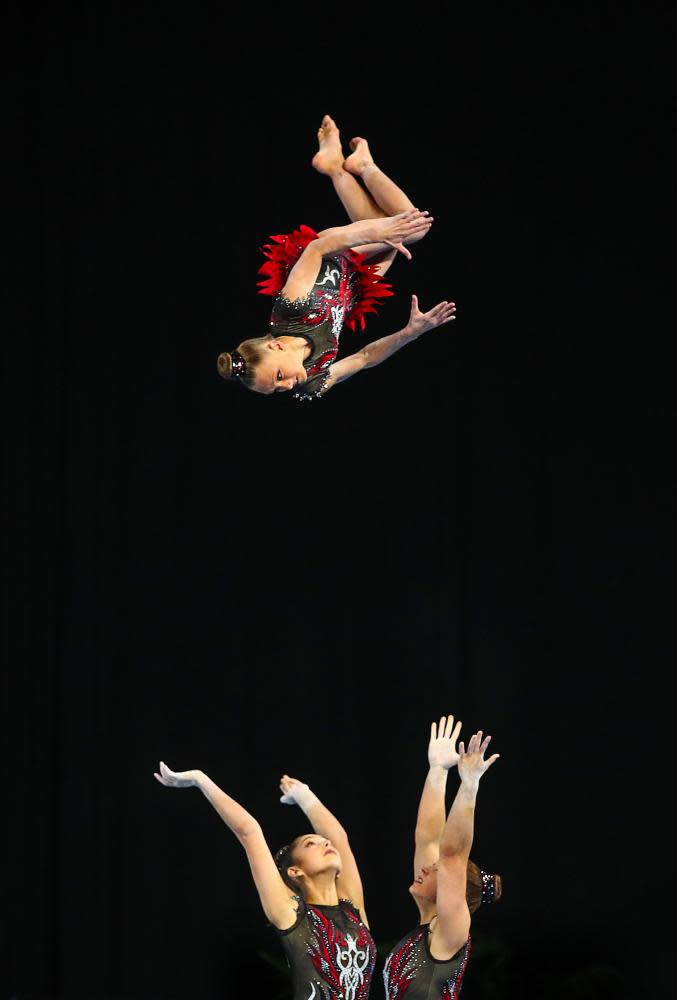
(300,394)
(332,953)
(410,970)
(402,965)
(346,289)
(364,293)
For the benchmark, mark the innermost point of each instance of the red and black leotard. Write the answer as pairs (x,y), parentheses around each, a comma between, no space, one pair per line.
(412,972)
(330,951)
(345,290)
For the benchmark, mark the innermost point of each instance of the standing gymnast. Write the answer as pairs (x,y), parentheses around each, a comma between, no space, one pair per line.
(430,961)
(320,281)
(310,891)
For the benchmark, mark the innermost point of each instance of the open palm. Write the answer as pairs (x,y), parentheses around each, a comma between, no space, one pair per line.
(442,750)
(421,322)
(471,762)
(175,779)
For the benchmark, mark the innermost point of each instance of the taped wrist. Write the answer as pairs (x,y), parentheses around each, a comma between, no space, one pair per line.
(301,795)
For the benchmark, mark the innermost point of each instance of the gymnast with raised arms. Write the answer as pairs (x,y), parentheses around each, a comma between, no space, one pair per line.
(310,891)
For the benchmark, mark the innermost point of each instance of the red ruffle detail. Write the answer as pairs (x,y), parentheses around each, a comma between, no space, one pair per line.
(285,249)
(368,293)
(282,254)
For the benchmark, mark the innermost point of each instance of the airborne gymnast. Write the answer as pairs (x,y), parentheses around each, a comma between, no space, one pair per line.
(324,280)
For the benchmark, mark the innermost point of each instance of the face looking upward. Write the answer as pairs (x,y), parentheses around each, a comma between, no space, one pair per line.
(424,886)
(314,856)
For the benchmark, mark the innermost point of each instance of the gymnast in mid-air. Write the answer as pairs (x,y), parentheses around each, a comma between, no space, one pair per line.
(324,280)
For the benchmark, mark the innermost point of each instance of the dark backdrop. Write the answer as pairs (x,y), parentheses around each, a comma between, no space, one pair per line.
(251,586)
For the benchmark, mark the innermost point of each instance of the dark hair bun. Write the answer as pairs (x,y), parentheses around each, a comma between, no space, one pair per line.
(481,887)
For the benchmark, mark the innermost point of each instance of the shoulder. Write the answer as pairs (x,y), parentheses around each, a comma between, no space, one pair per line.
(314,387)
(349,907)
(406,948)
(300,910)
(286,308)
(450,946)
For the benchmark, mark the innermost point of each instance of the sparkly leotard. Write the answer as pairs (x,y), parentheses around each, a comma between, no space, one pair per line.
(330,951)
(345,289)
(411,970)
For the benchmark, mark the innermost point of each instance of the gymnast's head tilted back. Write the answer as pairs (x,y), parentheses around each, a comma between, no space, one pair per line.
(480,887)
(306,858)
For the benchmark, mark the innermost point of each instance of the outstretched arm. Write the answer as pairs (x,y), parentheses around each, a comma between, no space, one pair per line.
(393,230)
(276,898)
(324,823)
(453,924)
(378,351)
(442,755)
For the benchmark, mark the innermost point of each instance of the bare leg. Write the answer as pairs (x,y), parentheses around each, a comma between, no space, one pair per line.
(358,203)
(390,199)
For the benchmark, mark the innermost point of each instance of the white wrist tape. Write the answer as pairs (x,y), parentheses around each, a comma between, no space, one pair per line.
(299,795)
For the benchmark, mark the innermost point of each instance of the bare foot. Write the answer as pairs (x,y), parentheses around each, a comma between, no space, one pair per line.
(329,157)
(360,158)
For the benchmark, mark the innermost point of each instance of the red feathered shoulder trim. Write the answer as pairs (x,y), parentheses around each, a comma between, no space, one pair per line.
(285,249)
(369,293)
(282,252)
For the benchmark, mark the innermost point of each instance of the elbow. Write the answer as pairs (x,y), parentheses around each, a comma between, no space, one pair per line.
(338,836)
(316,249)
(248,830)
(454,852)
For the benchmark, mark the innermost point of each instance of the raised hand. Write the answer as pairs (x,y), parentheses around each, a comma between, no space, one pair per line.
(295,792)
(176,779)
(471,762)
(420,322)
(397,229)
(442,747)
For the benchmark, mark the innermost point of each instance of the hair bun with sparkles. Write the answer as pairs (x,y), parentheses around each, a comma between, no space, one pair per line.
(224,363)
(231,365)
(492,887)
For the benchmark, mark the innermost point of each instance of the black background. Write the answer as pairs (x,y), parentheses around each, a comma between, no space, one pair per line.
(250,586)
